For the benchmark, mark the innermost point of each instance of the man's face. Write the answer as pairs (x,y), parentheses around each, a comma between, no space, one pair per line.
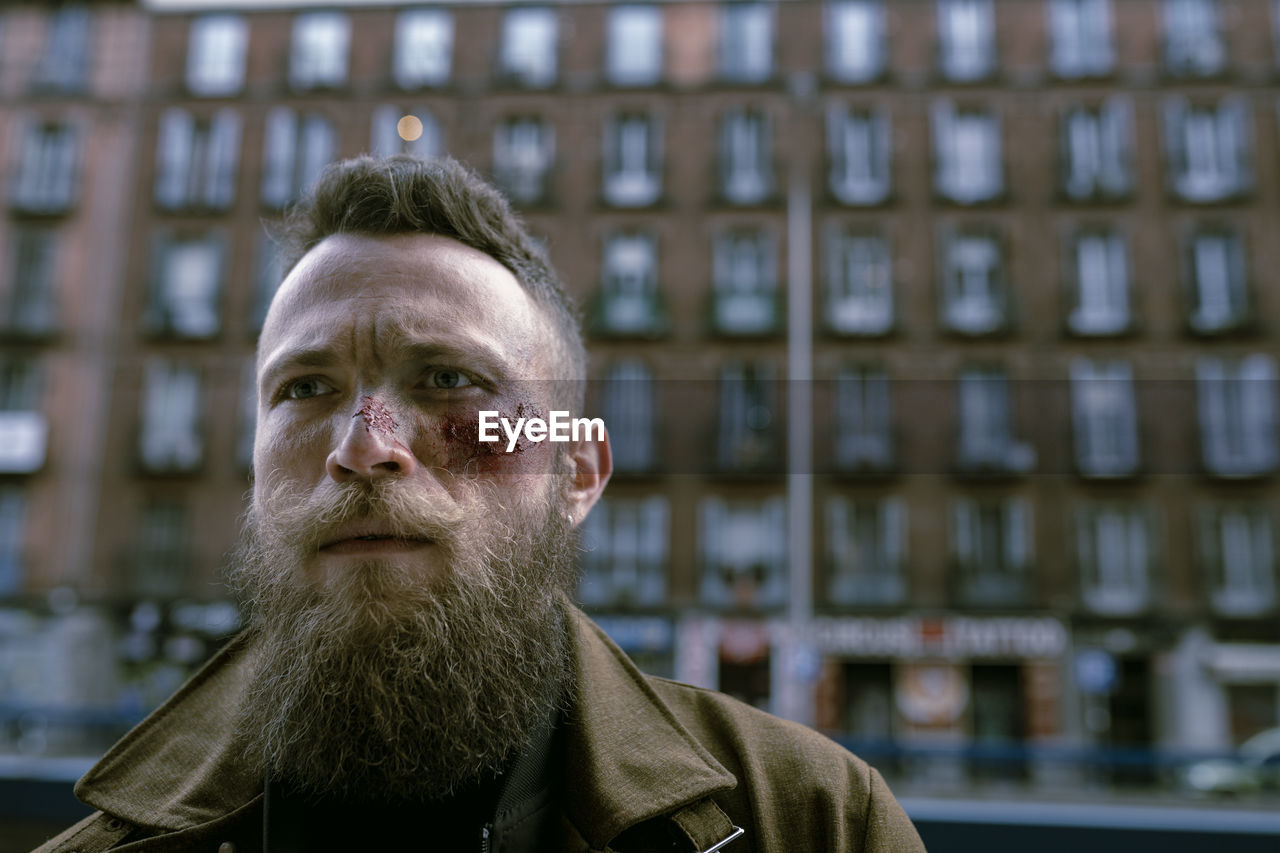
(406,581)
(374,362)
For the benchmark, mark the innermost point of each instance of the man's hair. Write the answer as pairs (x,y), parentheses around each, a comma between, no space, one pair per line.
(403,194)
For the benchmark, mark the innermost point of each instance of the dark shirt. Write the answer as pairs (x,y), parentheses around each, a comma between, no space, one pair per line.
(510,813)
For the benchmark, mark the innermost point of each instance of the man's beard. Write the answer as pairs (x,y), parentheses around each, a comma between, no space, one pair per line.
(391,680)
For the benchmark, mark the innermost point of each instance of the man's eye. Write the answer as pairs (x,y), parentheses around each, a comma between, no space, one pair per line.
(446,379)
(303,389)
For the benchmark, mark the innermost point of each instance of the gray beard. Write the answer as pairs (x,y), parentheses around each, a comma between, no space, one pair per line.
(389,684)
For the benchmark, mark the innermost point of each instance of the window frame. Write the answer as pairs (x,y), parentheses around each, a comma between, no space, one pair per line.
(839,17)
(1104,414)
(216,70)
(411,37)
(967,142)
(534,65)
(853,306)
(644,73)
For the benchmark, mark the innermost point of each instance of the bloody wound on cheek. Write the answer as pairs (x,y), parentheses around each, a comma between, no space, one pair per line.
(463,431)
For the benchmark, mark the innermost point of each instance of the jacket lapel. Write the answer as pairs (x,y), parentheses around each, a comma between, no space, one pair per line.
(628,759)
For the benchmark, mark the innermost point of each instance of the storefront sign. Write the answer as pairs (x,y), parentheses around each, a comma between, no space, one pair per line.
(946,637)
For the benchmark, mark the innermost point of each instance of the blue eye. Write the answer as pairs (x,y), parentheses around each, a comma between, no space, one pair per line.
(447,379)
(306,388)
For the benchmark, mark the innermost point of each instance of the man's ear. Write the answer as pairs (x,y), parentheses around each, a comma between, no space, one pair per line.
(590,464)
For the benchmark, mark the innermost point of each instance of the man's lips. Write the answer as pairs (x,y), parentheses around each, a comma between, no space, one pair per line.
(365,543)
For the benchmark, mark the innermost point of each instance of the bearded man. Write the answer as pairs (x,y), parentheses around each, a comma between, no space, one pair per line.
(413,673)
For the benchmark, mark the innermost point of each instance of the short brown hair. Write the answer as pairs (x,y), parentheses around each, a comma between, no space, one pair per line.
(403,194)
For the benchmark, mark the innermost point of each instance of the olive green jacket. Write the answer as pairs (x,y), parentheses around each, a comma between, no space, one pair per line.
(645,761)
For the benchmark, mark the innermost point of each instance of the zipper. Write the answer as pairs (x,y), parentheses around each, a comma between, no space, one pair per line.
(485,841)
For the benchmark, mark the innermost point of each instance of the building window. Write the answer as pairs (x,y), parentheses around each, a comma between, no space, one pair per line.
(1238,417)
(746,42)
(864,430)
(24,430)
(1097,283)
(268,274)
(966,39)
(1105,418)
(975,297)
(629,412)
(523,154)
(13,524)
(624,561)
(859,282)
(1113,550)
(1237,556)
(855,40)
(64,63)
(859,151)
(746,157)
(528,53)
(1081,38)
(31,303)
(218,46)
(321,42)
(186,287)
(297,150)
(424,48)
(248,414)
(633,54)
(632,160)
(967,154)
(742,545)
(1208,149)
(46,176)
(866,548)
(197,160)
(1097,151)
(745,283)
(749,437)
(1218,293)
(1193,45)
(986,442)
(991,551)
(164,550)
(396,131)
(629,302)
(171,441)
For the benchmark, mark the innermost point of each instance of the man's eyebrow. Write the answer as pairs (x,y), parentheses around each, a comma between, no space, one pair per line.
(293,359)
(470,353)
(465,354)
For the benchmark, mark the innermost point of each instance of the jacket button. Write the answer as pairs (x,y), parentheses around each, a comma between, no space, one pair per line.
(226,847)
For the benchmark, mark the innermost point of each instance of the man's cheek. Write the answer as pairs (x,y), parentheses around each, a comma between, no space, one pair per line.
(465,452)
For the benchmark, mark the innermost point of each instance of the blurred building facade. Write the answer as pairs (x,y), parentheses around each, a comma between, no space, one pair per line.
(937,340)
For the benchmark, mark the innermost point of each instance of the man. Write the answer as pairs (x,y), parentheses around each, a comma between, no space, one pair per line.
(412,673)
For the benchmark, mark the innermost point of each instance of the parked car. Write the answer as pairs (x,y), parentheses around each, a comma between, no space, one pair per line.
(1255,767)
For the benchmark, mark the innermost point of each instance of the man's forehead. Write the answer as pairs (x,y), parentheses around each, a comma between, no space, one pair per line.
(332,266)
(421,280)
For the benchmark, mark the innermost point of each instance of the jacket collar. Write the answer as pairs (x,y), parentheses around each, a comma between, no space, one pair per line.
(627,758)
(181,766)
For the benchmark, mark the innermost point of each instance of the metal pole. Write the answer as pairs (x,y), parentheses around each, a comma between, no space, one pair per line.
(796,699)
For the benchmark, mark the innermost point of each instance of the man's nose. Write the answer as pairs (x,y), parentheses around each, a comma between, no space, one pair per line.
(369,450)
